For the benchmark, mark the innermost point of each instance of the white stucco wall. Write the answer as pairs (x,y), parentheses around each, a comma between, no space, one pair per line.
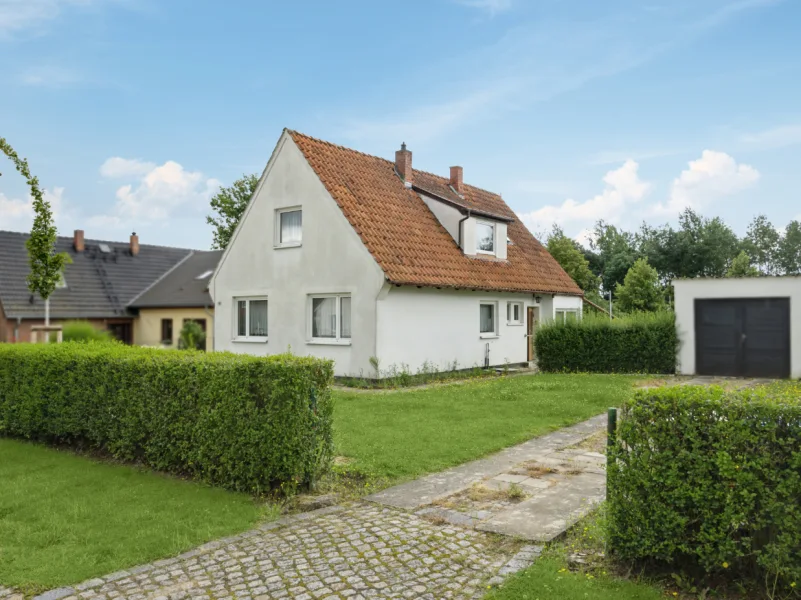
(688,290)
(331,259)
(442,326)
(446,214)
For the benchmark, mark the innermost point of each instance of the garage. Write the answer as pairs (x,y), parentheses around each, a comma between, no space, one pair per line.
(739,327)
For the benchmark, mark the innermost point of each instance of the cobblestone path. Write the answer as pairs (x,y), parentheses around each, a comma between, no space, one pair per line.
(355,552)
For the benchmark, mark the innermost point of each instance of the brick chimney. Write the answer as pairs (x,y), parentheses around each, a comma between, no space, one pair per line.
(77,241)
(457,179)
(134,244)
(403,163)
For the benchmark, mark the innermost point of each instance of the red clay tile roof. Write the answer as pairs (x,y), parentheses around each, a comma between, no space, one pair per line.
(408,241)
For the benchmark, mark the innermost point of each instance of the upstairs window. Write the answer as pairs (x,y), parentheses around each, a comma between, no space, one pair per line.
(251,319)
(289,227)
(485,238)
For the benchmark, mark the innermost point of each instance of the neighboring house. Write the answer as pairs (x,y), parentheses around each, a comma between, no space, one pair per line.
(180,295)
(97,286)
(353,257)
(749,327)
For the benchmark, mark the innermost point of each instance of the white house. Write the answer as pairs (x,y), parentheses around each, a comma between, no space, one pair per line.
(749,327)
(353,257)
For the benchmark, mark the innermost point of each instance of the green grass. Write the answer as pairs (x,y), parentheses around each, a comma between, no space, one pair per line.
(548,579)
(403,434)
(66,518)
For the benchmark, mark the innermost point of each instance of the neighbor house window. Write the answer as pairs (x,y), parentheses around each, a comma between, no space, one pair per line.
(514,313)
(566,316)
(166,331)
(331,318)
(251,319)
(289,227)
(488,322)
(485,237)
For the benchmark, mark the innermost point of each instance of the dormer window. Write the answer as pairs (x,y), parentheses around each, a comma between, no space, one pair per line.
(485,237)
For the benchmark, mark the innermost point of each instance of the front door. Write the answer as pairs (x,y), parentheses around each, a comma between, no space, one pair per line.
(531,327)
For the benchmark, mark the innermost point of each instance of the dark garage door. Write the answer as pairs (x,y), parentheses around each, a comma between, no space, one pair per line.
(743,337)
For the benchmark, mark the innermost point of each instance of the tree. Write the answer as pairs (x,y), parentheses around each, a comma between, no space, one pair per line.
(230,203)
(47,265)
(741,266)
(192,336)
(570,256)
(616,254)
(788,253)
(706,246)
(640,289)
(762,245)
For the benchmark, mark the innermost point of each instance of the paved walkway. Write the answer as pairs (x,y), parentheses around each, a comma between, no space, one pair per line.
(356,552)
(554,486)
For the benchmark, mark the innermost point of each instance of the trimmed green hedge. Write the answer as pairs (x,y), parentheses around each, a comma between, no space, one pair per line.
(245,423)
(640,343)
(704,478)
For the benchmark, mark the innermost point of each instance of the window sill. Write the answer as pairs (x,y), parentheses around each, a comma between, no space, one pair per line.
(489,336)
(514,324)
(485,252)
(292,245)
(249,340)
(329,342)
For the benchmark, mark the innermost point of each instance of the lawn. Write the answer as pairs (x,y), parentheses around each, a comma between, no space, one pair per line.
(66,518)
(403,434)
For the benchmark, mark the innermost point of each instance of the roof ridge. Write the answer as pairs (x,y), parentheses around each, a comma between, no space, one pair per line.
(69,238)
(381,158)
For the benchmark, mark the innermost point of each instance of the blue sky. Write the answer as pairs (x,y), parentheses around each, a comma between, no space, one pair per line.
(133,112)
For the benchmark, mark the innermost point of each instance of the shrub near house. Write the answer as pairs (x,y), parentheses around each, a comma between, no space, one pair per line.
(241,422)
(702,478)
(639,343)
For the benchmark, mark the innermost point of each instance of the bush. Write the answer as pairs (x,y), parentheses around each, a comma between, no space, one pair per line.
(83,331)
(192,337)
(245,423)
(639,343)
(707,479)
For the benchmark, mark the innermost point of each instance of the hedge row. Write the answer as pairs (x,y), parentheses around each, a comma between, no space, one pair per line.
(241,422)
(643,343)
(709,479)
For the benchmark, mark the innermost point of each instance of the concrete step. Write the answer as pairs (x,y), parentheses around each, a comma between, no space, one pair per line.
(551,511)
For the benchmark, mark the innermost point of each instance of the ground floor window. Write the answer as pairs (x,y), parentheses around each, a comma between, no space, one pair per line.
(566,316)
(330,318)
(166,331)
(488,321)
(514,313)
(251,319)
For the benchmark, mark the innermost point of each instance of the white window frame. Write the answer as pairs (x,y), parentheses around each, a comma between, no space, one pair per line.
(510,314)
(494,238)
(565,311)
(494,305)
(247,338)
(277,234)
(338,340)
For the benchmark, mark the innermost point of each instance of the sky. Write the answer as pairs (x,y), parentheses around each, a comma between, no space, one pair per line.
(132,113)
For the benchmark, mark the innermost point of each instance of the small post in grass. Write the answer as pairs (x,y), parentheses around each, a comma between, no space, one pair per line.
(611,427)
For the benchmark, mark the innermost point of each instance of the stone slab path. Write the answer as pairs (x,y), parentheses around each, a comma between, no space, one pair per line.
(566,484)
(356,552)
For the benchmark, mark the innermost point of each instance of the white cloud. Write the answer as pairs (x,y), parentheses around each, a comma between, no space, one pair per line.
(18,15)
(116,167)
(623,188)
(777,137)
(714,175)
(49,76)
(157,192)
(493,7)
(16,214)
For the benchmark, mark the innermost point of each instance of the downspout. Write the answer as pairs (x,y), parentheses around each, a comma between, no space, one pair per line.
(467,216)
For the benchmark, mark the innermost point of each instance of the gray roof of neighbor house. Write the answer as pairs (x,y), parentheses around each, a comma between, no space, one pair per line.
(100,281)
(186,285)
